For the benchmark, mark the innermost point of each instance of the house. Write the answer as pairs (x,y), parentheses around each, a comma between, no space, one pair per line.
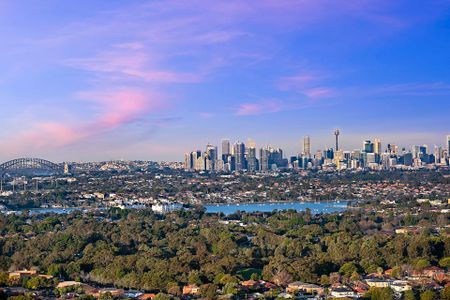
(191,289)
(146,296)
(360,287)
(342,292)
(285,296)
(305,287)
(378,283)
(250,284)
(97,293)
(433,271)
(17,275)
(66,284)
(400,286)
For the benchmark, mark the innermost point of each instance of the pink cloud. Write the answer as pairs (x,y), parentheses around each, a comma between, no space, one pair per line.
(131,65)
(320,92)
(269,106)
(115,109)
(299,81)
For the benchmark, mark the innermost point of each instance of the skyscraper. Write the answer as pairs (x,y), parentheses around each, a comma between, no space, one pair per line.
(448,144)
(211,157)
(368,146)
(239,153)
(252,162)
(307,146)
(226,149)
(264,159)
(377,146)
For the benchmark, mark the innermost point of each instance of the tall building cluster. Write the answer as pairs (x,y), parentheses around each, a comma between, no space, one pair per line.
(246,157)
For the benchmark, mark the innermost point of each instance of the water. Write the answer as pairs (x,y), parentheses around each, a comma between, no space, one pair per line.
(38,211)
(227,209)
(315,207)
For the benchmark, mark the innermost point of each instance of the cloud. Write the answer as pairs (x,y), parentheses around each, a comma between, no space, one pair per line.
(131,65)
(114,109)
(319,92)
(257,108)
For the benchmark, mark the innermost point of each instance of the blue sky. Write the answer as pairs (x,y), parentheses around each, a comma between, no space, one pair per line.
(99,80)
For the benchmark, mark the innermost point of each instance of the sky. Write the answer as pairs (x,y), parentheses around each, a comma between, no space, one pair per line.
(93,80)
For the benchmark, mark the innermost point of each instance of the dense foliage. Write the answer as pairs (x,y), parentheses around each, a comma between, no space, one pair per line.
(138,249)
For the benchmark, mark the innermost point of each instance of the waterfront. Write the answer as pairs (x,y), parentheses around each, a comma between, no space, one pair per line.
(315,207)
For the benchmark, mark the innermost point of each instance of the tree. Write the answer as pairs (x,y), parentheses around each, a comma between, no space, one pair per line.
(445,262)
(254,276)
(209,291)
(348,269)
(162,296)
(3,278)
(409,295)
(445,293)
(422,264)
(194,278)
(230,288)
(282,278)
(379,294)
(428,295)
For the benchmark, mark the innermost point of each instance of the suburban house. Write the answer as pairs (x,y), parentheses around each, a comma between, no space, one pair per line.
(342,292)
(305,287)
(191,289)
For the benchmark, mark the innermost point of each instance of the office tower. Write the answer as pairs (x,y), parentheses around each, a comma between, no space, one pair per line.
(276,158)
(415,151)
(356,155)
(226,149)
(199,161)
(211,157)
(437,154)
(392,149)
(423,149)
(368,146)
(66,168)
(188,164)
(448,144)
(336,133)
(407,159)
(377,146)
(252,162)
(329,153)
(319,155)
(239,153)
(264,159)
(251,143)
(307,146)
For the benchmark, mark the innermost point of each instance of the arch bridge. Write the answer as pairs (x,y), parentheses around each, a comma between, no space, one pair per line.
(30,165)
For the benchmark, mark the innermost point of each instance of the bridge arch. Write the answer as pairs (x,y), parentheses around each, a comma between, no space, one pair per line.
(30,164)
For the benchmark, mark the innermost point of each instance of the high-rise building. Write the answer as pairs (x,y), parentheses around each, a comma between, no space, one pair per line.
(437,154)
(239,153)
(307,146)
(392,149)
(264,159)
(252,162)
(188,162)
(211,157)
(368,146)
(226,149)
(448,144)
(415,151)
(377,146)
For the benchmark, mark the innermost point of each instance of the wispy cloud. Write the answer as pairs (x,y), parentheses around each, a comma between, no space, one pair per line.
(257,108)
(114,109)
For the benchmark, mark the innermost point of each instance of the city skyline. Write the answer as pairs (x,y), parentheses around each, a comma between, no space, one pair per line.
(98,81)
(372,154)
